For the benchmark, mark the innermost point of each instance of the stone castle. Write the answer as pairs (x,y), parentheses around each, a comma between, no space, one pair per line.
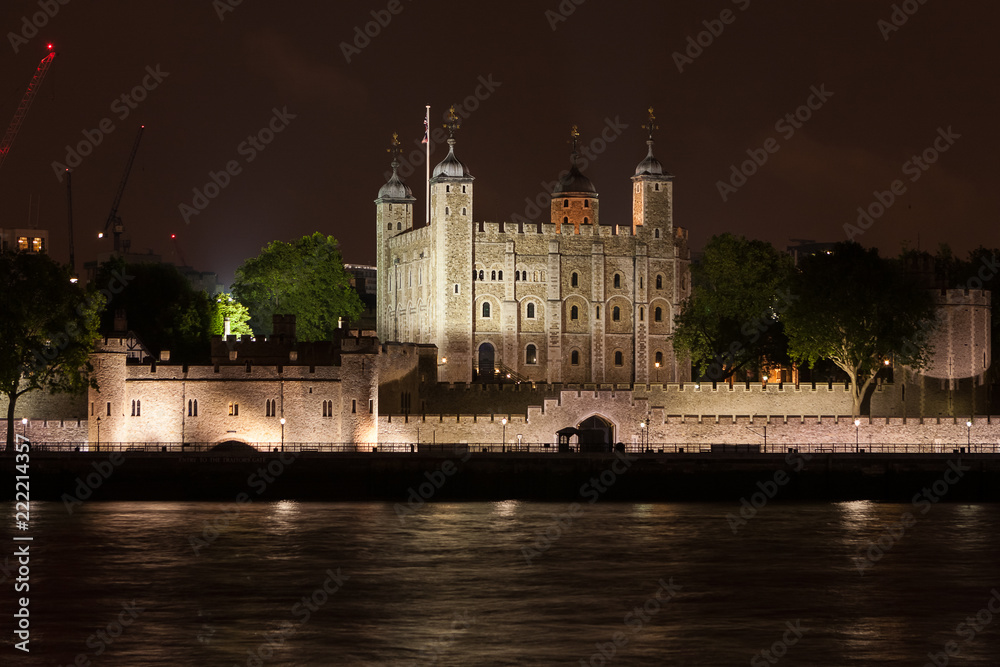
(576,315)
(568,300)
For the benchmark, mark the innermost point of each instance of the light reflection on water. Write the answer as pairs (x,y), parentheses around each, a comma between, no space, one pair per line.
(448,585)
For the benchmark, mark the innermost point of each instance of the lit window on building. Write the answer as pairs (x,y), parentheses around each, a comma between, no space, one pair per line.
(37,244)
(531,355)
(22,243)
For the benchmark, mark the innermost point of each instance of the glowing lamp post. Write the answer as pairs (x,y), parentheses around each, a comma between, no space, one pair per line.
(98,433)
(503,445)
(657,365)
(282,434)
(857,435)
(24,427)
(968,435)
(643,435)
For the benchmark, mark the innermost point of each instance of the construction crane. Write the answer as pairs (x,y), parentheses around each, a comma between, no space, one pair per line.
(69,220)
(22,108)
(114,223)
(177,248)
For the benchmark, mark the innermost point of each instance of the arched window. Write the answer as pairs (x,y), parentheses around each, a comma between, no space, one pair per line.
(534,276)
(493,275)
(531,311)
(399,225)
(586,203)
(656,186)
(616,313)
(619,358)
(480,274)
(642,314)
(659,282)
(656,233)
(574,280)
(447,188)
(659,358)
(524,275)
(574,358)
(565,203)
(390,225)
(133,407)
(531,355)
(463,189)
(618,281)
(463,211)
(586,221)
(565,220)
(574,313)
(500,275)
(486,308)
(658,314)
(138,408)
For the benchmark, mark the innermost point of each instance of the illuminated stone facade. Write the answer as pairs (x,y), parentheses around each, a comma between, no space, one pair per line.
(567,300)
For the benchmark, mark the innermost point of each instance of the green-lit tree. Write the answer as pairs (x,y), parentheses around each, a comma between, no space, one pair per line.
(305,278)
(226,306)
(858,310)
(162,309)
(731,320)
(48,328)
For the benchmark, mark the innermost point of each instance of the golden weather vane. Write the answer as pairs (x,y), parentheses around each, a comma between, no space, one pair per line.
(652,125)
(394,148)
(453,122)
(574,135)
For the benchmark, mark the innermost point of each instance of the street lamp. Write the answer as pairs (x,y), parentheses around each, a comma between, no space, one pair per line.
(503,446)
(857,435)
(657,365)
(968,435)
(98,433)
(24,427)
(282,434)
(643,435)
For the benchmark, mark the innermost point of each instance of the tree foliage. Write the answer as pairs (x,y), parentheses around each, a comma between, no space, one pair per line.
(162,309)
(730,322)
(305,278)
(858,310)
(226,306)
(48,328)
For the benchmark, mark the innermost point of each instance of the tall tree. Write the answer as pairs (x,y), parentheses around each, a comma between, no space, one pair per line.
(162,308)
(48,328)
(730,322)
(858,310)
(305,278)
(226,306)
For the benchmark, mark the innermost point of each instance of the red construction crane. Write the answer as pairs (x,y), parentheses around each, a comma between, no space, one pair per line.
(177,247)
(22,108)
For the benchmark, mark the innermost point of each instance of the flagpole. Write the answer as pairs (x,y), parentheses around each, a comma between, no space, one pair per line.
(427,129)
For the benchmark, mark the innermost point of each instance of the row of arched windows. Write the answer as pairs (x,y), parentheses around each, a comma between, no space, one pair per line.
(586,203)
(136,408)
(574,280)
(498,275)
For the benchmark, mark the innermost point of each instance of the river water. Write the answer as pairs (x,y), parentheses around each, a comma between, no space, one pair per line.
(508,583)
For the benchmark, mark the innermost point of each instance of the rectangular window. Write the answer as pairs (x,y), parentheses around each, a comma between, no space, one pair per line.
(109,409)
(371,406)
(354,406)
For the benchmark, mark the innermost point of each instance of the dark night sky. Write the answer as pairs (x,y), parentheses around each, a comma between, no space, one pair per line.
(607,60)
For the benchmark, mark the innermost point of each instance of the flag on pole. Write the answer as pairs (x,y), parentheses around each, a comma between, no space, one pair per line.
(427,130)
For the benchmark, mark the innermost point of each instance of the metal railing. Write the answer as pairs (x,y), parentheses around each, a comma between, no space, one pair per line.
(516,448)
